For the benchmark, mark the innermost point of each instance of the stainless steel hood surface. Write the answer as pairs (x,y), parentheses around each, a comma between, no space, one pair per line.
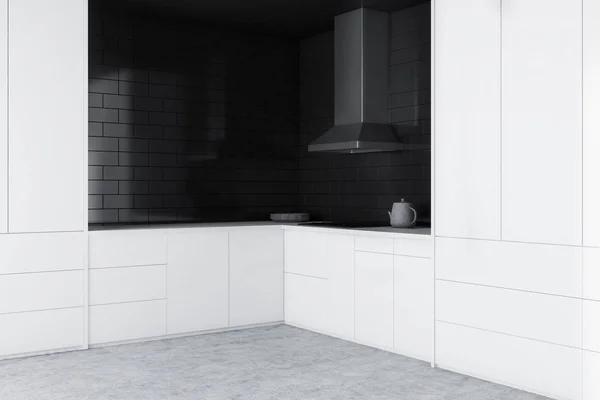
(357,138)
(361,63)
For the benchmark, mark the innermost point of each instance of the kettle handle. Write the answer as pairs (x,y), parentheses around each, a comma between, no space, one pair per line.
(415,219)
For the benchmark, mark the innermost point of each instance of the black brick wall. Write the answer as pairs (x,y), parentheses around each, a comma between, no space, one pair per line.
(188,122)
(195,123)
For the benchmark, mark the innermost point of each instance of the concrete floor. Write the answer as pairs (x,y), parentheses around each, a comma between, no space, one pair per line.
(278,362)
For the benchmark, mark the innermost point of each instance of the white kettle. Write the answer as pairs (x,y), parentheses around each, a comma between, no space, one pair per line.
(403,215)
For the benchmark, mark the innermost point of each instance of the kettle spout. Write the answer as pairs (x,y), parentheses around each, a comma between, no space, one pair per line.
(390,214)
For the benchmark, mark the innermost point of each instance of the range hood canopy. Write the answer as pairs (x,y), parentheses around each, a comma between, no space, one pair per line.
(361,64)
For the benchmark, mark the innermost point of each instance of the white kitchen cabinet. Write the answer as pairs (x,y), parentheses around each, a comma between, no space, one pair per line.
(548,318)
(41,291)
(197,281)
(127,321)
(414,307)
(467,118)
(3,116)
(305,253)
(127,248)
(591,372)
(255,276)
(541,122)
(591,123)
(127,284)
(511,265)
(374,299)
(42,252)
(41,331)
(340,258)
(543,368)
(46,117)
(306,302)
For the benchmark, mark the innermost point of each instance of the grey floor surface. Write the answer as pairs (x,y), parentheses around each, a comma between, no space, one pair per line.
(278,362)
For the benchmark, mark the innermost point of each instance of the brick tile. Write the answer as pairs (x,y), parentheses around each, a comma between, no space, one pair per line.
(118,201)
(118,101)
(103,86)
(118,130)
(95,129)
(133,117)
(95,100)
(103,216)
(103,144)
(137,215)
(133,187)
(103,115)
(103,158)
(118,173)
(103,187)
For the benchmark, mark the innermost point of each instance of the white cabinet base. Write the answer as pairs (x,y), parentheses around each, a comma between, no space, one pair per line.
(538,367)
(127,321)
(305,302)
(374,298)
(41,332)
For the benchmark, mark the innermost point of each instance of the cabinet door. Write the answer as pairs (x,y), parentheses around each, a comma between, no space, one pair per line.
(340,258)
(467,118)
(591,123)
(197,281)
(256,276)
(374,299)
(305,253)
(46,115)
(541,121)
(306,302)
(413,307)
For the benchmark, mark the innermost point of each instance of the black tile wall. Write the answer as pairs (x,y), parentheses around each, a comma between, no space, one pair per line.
(188,122)
(362,187)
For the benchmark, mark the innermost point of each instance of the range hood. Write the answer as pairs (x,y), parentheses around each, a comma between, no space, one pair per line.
(361,64)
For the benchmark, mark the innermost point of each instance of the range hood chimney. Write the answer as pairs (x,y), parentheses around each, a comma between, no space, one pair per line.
(361,63)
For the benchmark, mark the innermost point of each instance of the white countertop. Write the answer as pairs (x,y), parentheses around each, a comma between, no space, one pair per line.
(416,233)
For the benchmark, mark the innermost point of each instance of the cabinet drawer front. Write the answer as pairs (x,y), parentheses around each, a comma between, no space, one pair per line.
(414,247)
(536,316)
(374,299)
(591,372)
(41,331)
(591,325)
(306,302)
(42,291)
(591,274)
(128,321)
(121,285)
(510,265)
(40,252)
(374,244)
(543,368)
(125,249)
(305,253)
